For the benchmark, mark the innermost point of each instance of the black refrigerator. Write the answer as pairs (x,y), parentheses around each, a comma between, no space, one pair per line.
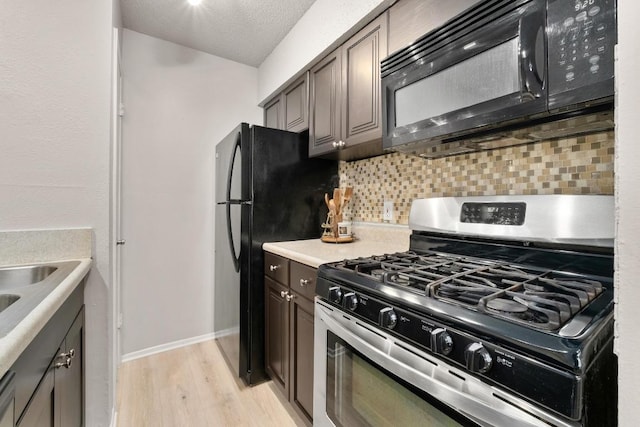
(267,190)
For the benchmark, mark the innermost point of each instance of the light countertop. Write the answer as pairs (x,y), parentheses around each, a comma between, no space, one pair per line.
(35,247)
(370,240)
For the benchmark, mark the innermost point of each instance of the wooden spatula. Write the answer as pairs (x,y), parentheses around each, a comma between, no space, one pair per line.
(336,200)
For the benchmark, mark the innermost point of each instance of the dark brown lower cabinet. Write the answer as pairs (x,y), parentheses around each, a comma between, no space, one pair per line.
(289,331)
(50,372)
(58,400)
(40,412)
(277,334)
(301,342)
(68,391)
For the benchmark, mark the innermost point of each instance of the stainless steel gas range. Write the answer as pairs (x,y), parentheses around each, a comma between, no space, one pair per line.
(500,314)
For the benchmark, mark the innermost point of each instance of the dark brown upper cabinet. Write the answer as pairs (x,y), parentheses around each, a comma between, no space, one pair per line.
(325,87)
(290,109)
(345,104)
(295,103)
(273,117)
(361,101)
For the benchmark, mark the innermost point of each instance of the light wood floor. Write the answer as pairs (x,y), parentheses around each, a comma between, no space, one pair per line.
(193,386)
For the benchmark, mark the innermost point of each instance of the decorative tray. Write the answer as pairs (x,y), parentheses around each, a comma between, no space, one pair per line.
(331,239)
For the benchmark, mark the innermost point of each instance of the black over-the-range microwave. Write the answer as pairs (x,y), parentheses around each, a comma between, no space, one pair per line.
(501,65)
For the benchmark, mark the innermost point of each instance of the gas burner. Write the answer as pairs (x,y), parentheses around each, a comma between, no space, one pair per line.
(377,273)
(506,305)
(398,279)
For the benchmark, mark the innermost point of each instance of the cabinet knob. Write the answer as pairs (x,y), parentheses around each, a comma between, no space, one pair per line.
(273,267)
(304,282)
(283,294)
(339,144)
(65,364)
(290,297)
(71,353)
(67,359)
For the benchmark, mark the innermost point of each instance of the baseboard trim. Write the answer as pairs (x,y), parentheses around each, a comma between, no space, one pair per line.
(175,344)
(114,418)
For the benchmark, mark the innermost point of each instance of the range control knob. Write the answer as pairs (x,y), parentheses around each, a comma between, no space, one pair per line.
(388,318)
(335,294)
(350,301)
(441,341)
(477,358)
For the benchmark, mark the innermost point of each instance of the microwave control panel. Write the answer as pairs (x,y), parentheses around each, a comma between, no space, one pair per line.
(581,36)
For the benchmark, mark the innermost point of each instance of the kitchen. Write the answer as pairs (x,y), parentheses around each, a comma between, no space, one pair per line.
(75,113)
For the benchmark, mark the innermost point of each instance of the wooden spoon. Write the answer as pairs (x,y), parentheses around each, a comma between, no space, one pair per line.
(336,200)
(333,218)
(348,192)
(326,200)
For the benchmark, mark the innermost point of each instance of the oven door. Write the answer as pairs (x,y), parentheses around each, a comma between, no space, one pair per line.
(482,70)
(364,377)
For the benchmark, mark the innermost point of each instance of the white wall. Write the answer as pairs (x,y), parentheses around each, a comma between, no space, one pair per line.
(54,143)
(179,103)
(319,27)
(628,209)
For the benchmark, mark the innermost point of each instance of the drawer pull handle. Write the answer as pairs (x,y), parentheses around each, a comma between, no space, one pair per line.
(304,282)
(274,267)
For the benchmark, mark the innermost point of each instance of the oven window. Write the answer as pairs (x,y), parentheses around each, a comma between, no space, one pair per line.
(361,394)
(483,77)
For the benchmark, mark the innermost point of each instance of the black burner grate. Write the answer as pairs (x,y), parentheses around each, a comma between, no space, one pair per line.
(539,299)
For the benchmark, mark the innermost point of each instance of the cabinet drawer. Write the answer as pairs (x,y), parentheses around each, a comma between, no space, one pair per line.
(276,267)
(303,279)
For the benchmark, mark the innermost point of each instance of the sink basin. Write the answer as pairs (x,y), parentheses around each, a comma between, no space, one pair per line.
(14,277)
(23,287)
(6,300)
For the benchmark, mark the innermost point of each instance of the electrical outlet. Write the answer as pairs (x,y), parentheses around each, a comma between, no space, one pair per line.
(387,211)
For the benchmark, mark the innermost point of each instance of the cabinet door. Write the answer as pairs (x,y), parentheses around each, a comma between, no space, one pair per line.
(325,94)
(277,333)
(301,343)
(6,419)
(295,101)
(361,101)
(7,400)
(69,384)
(273,114)
(40,410)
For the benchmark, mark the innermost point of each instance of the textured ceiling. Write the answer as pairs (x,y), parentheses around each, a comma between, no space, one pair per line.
(245,31)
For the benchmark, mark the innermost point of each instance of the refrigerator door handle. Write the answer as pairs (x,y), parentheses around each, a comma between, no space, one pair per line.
(235,202)
(234,255)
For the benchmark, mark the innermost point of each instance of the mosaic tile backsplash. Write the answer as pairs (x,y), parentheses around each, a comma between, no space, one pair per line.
(576,165)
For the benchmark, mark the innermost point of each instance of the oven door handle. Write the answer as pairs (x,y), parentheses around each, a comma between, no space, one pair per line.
(381,349)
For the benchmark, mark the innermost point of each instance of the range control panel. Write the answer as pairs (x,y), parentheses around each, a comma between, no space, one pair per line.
(582,36)
(493,213)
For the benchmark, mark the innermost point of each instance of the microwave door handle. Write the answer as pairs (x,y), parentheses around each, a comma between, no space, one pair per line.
(532,54)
